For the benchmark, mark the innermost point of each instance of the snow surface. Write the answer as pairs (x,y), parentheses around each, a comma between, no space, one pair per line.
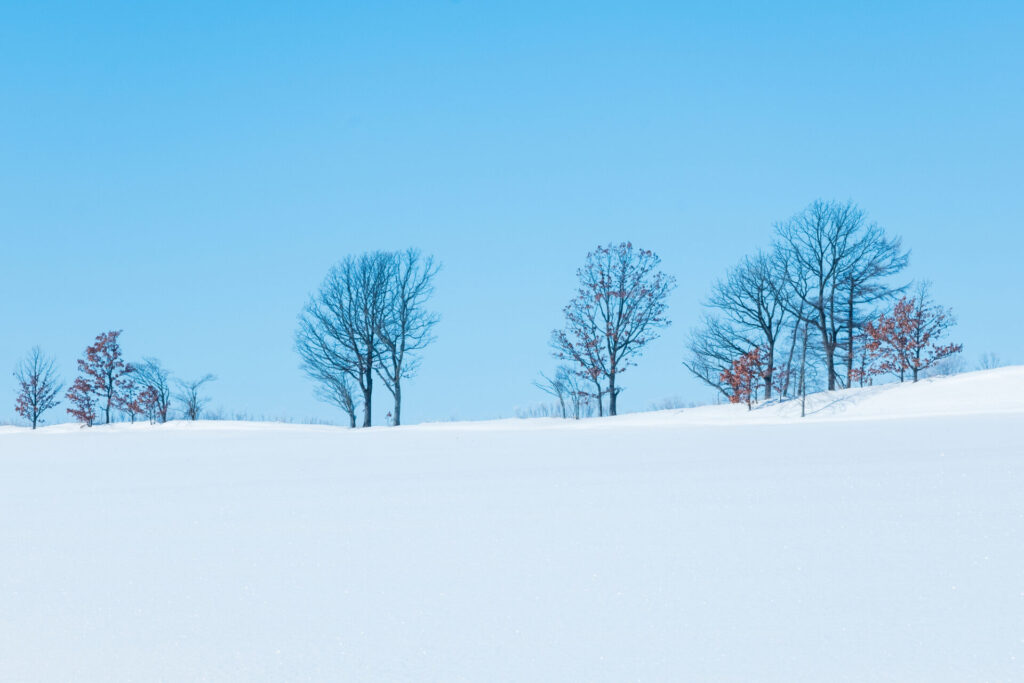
(880,539)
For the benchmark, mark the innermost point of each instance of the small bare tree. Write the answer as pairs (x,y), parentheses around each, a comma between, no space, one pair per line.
(554,386)
(337,390)
(565,387)
(618,309)
(154,380)
(405,326)
(989,361)
(711,350)
(192,403)
(38,386)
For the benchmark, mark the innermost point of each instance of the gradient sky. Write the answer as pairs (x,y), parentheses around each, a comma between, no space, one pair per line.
(188,171)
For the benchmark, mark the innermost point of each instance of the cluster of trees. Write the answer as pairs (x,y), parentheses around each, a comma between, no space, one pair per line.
(821,303)
(106,387)
(369,320)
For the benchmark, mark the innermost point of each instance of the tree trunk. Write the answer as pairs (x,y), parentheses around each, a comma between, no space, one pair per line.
(769,372)
(803,376)
(830,362)
(398,401)
(600,403)
(828,347)
(789,359)
(849,341)
(611,394)
(367,404)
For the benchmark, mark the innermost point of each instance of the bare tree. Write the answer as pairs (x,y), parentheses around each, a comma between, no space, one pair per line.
(831,258)
(192,403)
(339,330)
(565,387)
(337,390)
(406,325)
(989,361)
(150,373)
(873,258)
(711,350)
(38,386)
(555,386)
(618,309)
(752,299)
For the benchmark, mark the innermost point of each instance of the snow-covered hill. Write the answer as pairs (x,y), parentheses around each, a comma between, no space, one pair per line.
(881,538)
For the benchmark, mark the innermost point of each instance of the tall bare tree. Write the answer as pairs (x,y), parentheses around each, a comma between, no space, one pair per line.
(339,329)
(406,326)
(873,259)
(618,309)
(192,402)
(38,386)
(751,298)
(827,251)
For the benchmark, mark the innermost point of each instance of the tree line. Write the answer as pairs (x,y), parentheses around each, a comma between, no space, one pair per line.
(822,304)
(107,387)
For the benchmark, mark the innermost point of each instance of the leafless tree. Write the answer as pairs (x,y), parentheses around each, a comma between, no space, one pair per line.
(555,386)
(873,259)
(339,330)
(831,258)
(406,326)
(989,361)
(711,349)
(565,387)
(38,386)
(337,390)
(619,307)
(150,373)
(192,403)
(751,298)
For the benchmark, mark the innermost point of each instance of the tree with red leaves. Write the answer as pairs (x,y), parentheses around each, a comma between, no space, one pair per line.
(38,386)
(744,377)
(906,339)
(127,400)
(150,405)
(105,373)
(82,401)
(618,309)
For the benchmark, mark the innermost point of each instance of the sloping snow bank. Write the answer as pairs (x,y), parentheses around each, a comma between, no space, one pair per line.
(668,546)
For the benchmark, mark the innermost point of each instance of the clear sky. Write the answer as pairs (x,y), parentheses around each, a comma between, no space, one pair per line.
(188,171)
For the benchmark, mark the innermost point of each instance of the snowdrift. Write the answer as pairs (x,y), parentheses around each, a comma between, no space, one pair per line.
(879,539)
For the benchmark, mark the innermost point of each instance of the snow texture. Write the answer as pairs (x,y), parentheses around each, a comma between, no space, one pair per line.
(880,539)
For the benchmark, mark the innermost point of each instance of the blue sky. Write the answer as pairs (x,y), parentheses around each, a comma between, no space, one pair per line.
(188,172)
